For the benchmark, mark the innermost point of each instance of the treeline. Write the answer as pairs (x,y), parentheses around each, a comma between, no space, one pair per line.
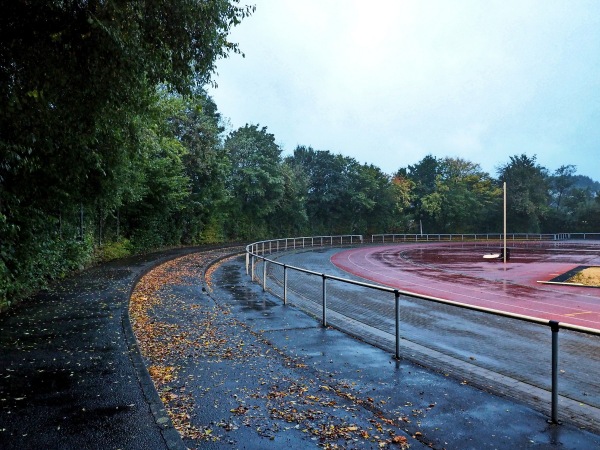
(110,146)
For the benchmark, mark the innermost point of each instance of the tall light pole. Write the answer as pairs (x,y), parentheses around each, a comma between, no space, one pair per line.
(504,252)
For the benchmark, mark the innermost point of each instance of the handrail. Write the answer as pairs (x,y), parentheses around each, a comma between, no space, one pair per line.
(257,250)
(406,237)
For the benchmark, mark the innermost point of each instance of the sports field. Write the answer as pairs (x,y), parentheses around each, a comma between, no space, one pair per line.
(531,282)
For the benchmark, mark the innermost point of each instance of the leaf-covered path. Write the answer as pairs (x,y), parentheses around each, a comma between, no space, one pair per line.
(226,385)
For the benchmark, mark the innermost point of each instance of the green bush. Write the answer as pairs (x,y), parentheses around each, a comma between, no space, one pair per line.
(114,250)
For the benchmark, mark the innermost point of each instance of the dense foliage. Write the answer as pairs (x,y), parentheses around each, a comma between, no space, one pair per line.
(83,139)
(109,145)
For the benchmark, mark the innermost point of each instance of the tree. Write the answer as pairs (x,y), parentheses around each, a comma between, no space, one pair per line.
(343,196)
(527,193)
(290,218)
(402,194)
(423,175)
(78,79)
(152,219)
(196,123)
(334,199)
(76,74)
(560,183)
(255,183)
(374,200)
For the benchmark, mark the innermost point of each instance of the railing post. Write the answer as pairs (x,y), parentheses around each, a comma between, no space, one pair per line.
(324,299)
(247,261)
(285,284)
(252,266)
(264,274)
(554,412)
(397,303)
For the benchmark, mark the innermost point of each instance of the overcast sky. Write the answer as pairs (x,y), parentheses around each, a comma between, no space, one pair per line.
(388,82)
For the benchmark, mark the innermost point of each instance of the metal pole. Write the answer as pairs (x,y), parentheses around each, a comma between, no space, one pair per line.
(285,281)
(264,274)
(504,252)
(247,261)
(324,300)
(554,413)
(397,303)
(252,273)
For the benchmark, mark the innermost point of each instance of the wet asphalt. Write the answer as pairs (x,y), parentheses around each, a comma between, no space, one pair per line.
(443,411)
(71,376)
(70,372)
(515,355)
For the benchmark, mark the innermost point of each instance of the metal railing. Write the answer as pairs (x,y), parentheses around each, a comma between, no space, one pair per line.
(256,254)
(437,237)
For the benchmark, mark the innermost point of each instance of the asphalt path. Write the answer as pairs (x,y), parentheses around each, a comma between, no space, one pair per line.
(71,376)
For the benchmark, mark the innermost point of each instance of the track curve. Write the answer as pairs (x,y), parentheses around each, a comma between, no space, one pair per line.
(458,272)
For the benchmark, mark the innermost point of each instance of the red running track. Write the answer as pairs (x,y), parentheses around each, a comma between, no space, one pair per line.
(458,272)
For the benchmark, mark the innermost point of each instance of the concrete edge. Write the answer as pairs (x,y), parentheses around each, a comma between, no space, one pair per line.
(171,436)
